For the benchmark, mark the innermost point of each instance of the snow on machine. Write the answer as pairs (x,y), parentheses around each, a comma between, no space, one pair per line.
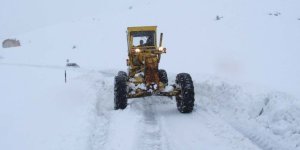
(144,78)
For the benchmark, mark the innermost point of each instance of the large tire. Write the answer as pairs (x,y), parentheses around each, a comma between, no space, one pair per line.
(185,100)
(122,73)
(120,92)
(163,77)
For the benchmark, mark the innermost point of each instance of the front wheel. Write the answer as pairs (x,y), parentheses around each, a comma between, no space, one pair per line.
(120,92)
(185,100)
(163,77)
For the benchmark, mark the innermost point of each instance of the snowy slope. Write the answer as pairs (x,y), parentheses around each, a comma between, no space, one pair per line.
(247,45)
(39,111)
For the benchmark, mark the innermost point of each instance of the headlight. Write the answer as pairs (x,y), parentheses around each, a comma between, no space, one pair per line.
(161,49)
(137,50)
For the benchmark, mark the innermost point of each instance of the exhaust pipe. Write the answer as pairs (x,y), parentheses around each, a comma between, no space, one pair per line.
(160,39)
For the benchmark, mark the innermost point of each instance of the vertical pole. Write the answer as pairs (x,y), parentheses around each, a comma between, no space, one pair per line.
(160,39)
(65,76)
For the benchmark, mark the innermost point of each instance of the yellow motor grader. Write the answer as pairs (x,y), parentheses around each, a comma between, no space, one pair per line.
(144,78)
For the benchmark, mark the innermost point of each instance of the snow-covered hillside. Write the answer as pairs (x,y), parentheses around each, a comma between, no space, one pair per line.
(244,67)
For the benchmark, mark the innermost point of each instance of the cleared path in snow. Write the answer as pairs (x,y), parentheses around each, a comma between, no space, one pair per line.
(154,123)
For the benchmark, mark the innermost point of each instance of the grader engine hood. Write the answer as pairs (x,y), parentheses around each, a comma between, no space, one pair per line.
(151,69)
(143,53)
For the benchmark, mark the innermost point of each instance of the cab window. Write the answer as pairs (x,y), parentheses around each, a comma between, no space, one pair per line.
(143,38)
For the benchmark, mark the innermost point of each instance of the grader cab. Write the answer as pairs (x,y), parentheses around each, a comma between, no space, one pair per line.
(144,78)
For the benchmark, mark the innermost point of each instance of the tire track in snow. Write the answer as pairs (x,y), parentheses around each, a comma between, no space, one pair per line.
(113,129)
(221,129)
(257,136)
(154,123)
(99,132)
(252,131)
(199,130)
(151,131)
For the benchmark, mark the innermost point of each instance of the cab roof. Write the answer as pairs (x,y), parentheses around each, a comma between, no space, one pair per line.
(142,28)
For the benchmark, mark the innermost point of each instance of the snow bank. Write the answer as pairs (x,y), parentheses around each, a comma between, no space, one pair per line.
(270,119)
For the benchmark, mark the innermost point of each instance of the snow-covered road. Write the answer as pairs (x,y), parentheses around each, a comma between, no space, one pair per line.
(155,123)
(84,110)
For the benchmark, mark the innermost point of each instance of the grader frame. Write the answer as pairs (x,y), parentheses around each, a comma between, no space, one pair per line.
(144,78)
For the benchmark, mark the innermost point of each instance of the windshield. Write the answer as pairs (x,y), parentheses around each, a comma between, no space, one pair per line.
(143,38)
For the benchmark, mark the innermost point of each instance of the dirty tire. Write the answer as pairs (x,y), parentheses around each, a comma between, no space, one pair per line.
(163,77)
(120,92)
(185,100)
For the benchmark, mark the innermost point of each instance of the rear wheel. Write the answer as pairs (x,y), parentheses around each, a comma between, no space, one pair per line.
(120,92)
(163,77)
(185,100)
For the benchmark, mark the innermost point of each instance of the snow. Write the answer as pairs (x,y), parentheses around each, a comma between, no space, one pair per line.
(244,68)
(276,127)
(168,88)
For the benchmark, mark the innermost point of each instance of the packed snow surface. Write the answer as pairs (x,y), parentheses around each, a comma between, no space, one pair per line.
(242,56)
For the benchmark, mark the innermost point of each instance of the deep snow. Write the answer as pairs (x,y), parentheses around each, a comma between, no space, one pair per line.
(238,64)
